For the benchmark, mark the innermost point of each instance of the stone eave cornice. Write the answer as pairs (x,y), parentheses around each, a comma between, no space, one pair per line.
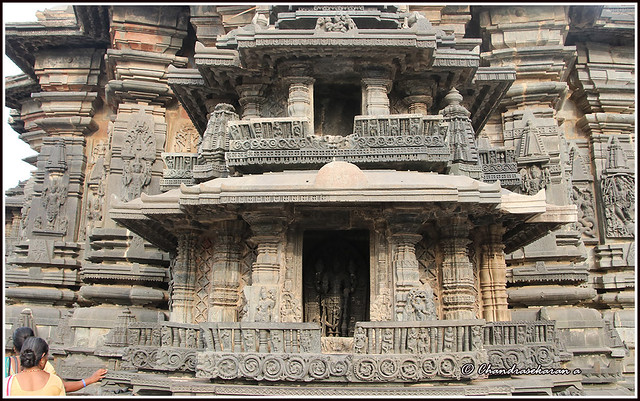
(373,186)
(527,218)
(19,88)
(490,86)
(24,39)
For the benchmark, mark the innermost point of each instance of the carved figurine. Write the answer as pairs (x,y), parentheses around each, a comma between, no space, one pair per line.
(191,338)
(167,339)
(449,340)
(387,341)
(424,342)
(277,341)
(359,340)
(420,305)
(265,305)
(412,340)
(476,338)
(335,284)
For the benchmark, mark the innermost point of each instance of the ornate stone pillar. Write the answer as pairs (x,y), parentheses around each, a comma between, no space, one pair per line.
(226,271)
(262,295)
(404,227)
(375,90)
(251,98)
(301,97)
(493,275)
(459,292)
(419,95)
(183,280)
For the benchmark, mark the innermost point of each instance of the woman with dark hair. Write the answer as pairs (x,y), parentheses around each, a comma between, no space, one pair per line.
(33,380)
(13,366)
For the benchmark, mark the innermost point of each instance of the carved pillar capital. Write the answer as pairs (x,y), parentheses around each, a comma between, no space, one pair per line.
(419,95)
(251,99)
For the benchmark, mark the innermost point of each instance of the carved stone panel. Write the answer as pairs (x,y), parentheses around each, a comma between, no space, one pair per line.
(138,155)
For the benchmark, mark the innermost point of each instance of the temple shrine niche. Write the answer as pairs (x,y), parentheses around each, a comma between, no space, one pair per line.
(327,199)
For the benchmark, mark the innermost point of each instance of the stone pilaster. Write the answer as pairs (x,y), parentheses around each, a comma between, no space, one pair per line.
(262,296)
(183,280)
(493,274)
(459,292)
(226,271)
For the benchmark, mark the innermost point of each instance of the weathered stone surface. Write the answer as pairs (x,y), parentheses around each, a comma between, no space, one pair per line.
(332,199)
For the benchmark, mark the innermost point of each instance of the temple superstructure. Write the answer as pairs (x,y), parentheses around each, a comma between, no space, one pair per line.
(328,199)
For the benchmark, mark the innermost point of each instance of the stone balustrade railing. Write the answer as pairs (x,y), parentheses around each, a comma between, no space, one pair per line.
(287,140)
(164,346)
(382,351)
(523,344)
(262,337)
(500,164)
(418,337)
(179,170)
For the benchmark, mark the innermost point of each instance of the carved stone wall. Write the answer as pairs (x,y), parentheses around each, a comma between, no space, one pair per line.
(123,103)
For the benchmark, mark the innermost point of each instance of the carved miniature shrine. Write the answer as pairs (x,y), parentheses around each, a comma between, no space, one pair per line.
(327,200)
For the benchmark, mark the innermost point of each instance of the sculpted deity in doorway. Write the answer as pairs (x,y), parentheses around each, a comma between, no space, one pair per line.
(335,281)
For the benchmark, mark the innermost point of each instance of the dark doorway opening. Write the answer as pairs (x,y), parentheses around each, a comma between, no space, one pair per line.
(336,280)
(335,106)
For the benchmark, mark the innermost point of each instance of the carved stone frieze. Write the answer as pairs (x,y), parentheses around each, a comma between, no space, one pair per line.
(339,23)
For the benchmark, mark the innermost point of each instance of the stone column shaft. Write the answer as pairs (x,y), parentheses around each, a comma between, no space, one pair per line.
(419,104)
(301,97)
(375,99)
(459,292)
(183,277)
(226,273)
(493,276)
(405,265)
(262,296)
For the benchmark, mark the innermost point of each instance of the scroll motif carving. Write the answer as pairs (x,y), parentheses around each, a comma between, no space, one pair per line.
(618,195)
(138,154)
(187,139)
(583,198)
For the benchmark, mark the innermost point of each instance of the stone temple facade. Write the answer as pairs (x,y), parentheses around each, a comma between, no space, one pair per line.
(327,200)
